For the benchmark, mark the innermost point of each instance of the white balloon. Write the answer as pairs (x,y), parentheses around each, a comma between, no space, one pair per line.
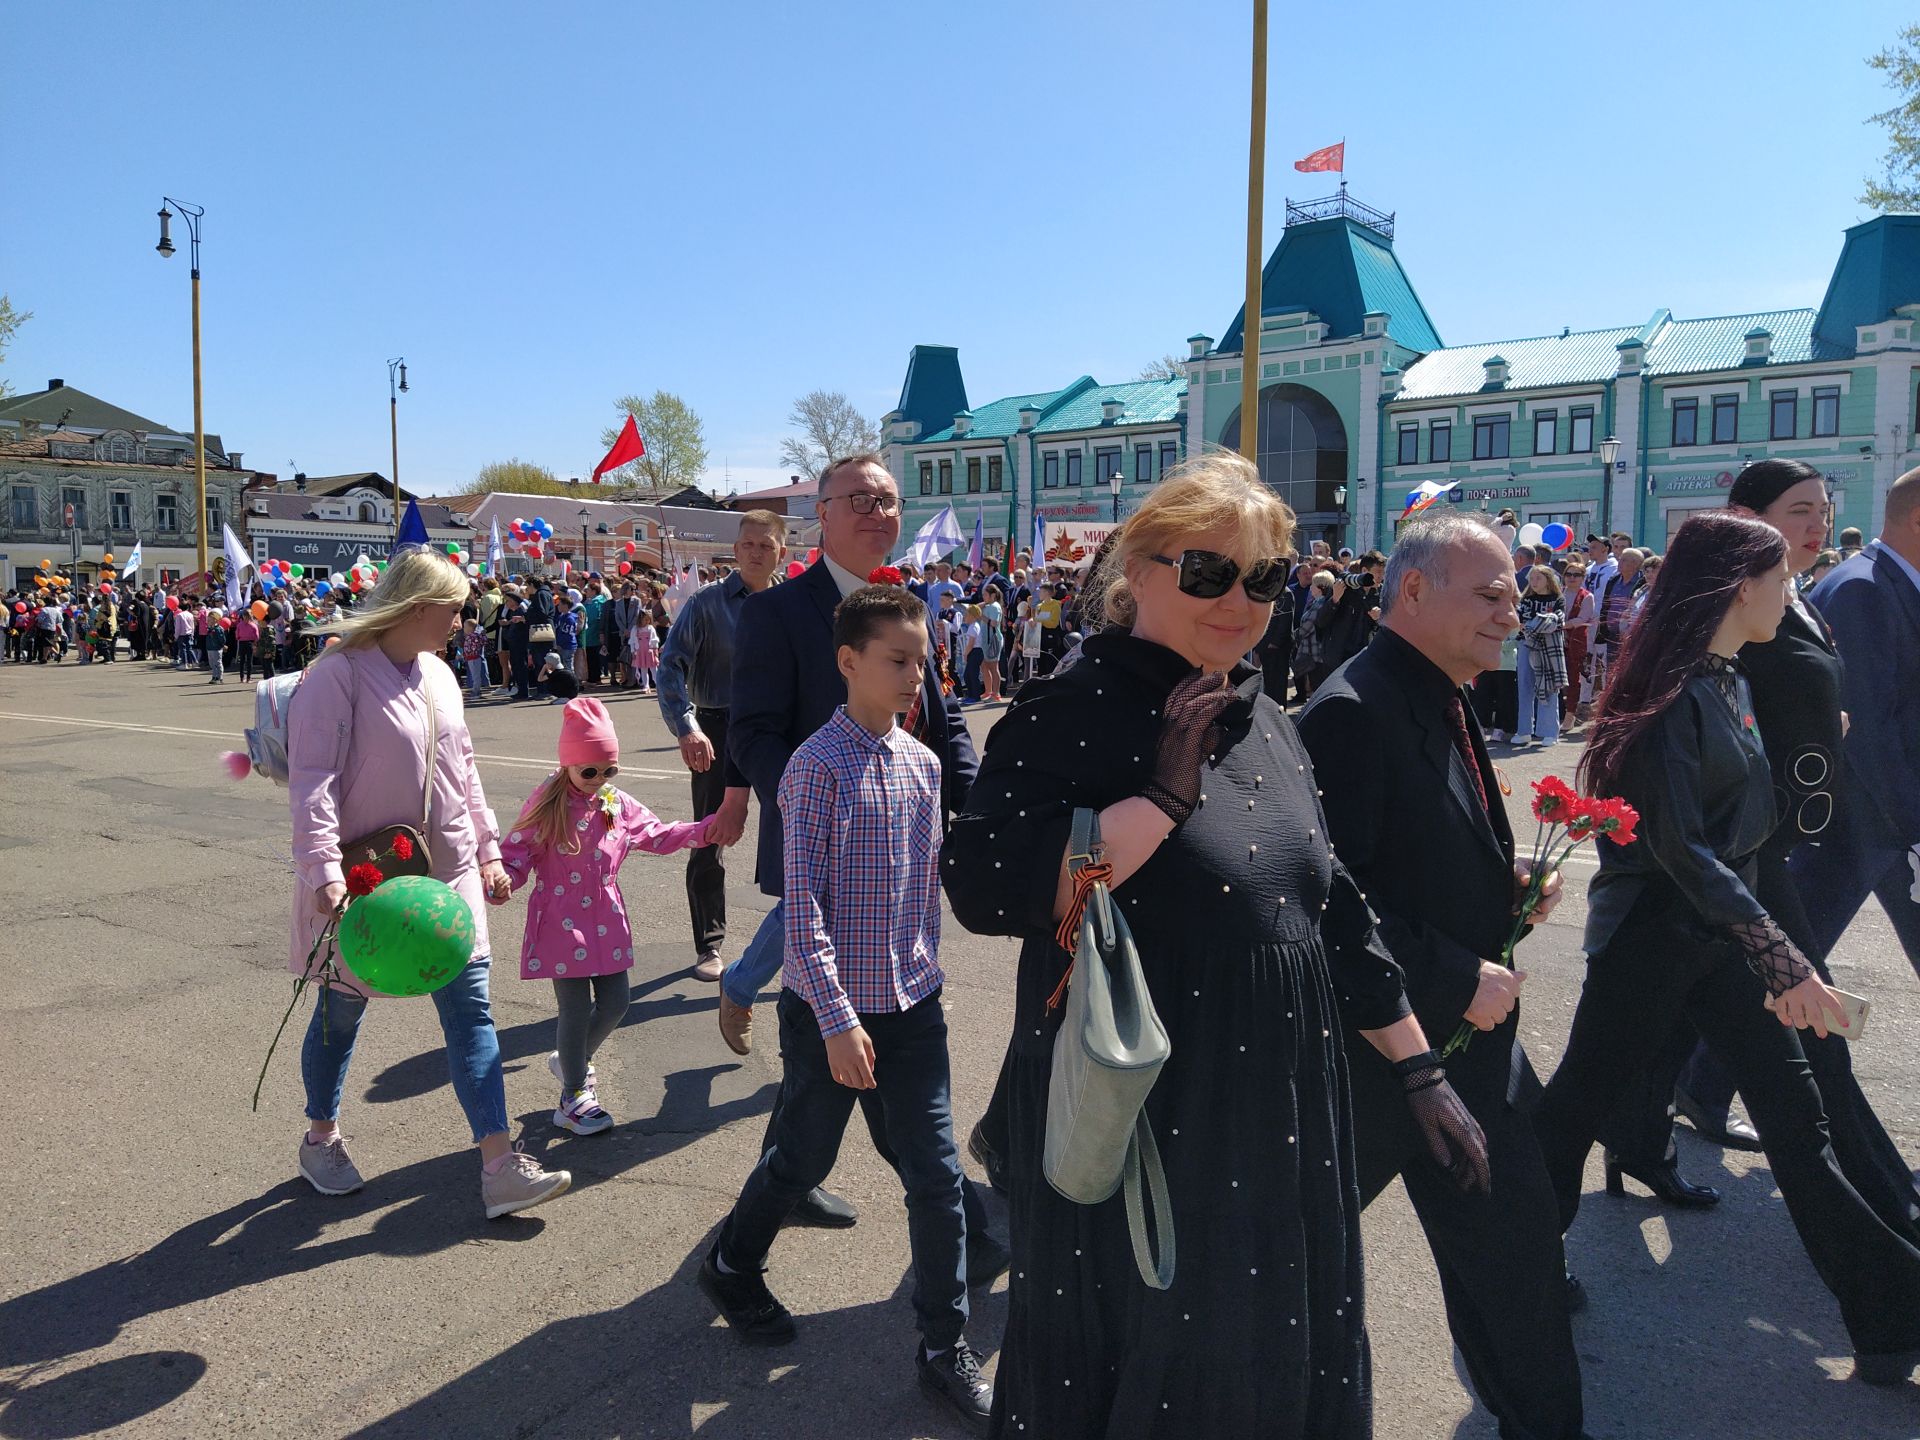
(474,570)
(1530,534)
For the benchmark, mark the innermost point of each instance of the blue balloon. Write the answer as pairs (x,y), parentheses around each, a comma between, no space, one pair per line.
(322,588)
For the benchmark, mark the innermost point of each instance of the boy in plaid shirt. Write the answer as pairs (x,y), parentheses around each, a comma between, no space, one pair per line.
(860,802)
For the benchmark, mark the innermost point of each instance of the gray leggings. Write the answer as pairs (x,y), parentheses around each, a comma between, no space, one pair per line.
(590,1010)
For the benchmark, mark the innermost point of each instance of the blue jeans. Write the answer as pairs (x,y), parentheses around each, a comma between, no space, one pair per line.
(915,1096)
(473,1050)
(1538,718)
(760,961)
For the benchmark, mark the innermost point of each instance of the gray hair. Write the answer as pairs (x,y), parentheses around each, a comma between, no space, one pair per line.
(1427,545)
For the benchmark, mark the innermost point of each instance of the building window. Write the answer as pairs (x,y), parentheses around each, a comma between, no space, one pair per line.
(1826,410)
(973,474)
(166,513)
(1440,442)
(369,512)
(1106,464)
(1786,415)
(1142,464)
(1546,432)
(1050,470)
(1686,422)
(926,477)
(995,479)
(1492,437)
(1409,445)
(946,477)
(1726,419)
(26,508)
(1169,456)
(1074,459)
(213,513)
(122,510)
(78,500)
(1580,427)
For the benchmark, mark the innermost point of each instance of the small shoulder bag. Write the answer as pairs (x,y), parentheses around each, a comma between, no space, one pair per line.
(1107,1055)
(376,847)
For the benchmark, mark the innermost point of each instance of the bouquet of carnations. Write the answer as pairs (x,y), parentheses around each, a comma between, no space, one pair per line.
(1564,820)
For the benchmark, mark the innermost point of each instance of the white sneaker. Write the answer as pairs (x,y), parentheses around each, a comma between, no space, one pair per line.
(580,1112)
(1497,737)
(1523,740)
(553,1069)
(520,1184)
(328,1168)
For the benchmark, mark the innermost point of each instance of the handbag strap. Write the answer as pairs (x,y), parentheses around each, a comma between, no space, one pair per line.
(1087,868)
(1143,1155)
(433,751)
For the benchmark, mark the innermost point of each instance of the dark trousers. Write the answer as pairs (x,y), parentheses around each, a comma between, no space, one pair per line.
(593,665)
(1502,1267)
(1496,699)
(706,873)
(536,657)
(970,680)
(1837,876)
(914,1100)
(517,667)
(1660,962)
(1277,669)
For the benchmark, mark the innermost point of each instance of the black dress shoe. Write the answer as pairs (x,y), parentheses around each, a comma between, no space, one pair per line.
(990,1159)
(823,1210)
(1666,1182)
(745,1303)
(987,1259)
(1576,1294)
(955,1377)
(1895,1368)
(1724,1128)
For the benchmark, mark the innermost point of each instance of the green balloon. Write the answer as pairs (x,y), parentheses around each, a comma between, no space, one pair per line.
(453,549)
(296,570)
(381,567)
(409,937)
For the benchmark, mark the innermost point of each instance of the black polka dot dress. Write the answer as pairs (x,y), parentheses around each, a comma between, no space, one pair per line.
(1255,942)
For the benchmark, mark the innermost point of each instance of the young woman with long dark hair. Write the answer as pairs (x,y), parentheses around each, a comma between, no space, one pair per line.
(1673,922)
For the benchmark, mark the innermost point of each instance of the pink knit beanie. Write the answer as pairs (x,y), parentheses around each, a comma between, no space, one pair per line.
(586,734)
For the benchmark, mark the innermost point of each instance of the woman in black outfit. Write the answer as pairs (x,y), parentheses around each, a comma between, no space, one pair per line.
(1254,942)
(1672,916)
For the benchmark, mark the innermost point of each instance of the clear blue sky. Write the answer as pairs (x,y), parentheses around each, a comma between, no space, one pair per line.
(544,207)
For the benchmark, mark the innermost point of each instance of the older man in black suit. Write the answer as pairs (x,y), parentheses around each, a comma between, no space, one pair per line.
(1414,809)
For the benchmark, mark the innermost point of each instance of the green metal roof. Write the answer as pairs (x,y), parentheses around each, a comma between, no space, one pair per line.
(933,392)
(1148,402)
(1879,268)
(1585,356)
(1720,343)
(1341,270)
(994,420)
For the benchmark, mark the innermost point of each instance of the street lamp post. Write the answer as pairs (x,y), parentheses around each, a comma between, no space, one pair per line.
(394,392)
(585,516)
(1340,505)
(191,214)
(1113,484)
(1609,452)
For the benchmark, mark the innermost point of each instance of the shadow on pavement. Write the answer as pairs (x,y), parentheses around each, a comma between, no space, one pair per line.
(98,1397)
(423,1208)
(663,1366)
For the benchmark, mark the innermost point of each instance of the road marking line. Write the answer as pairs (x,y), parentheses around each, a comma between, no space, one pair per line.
(516,761)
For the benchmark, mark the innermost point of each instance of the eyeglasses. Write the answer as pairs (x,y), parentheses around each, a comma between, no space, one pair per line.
(594,772)
(865,502)
(1207,575)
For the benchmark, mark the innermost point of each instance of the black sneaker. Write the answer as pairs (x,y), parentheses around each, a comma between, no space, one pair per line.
(745,1303)
(955,1378)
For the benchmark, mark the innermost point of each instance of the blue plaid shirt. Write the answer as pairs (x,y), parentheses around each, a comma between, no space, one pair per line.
(862,818)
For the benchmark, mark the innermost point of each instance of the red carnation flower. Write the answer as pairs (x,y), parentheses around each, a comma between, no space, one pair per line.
(1554,801)
(402,848)
(364,879)
(1615,819)
(886,575)
(1583,819)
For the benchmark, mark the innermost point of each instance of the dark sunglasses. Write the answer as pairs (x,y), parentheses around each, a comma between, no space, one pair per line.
(1206,575)
(594,772)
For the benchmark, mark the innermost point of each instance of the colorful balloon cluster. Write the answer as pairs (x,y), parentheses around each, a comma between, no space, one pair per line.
(1555,536)
(532,537)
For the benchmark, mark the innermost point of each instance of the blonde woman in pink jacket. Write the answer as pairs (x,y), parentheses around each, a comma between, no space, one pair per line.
(357,741)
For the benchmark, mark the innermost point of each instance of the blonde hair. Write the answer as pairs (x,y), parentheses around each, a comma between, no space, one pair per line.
(414,576)
(545,814)
(1215,491)
(767,520)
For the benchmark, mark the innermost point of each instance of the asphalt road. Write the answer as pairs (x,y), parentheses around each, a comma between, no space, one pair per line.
(163,1272)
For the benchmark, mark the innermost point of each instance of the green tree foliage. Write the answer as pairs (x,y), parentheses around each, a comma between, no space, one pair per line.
(520,477)
(830,429)
(10,321)
(675,439)
(1899,188)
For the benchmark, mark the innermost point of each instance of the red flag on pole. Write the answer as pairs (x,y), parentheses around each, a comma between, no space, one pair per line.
(1330,157)
(628,446)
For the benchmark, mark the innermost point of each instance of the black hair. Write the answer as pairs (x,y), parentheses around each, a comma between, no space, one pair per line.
(860,616)
(1765,481)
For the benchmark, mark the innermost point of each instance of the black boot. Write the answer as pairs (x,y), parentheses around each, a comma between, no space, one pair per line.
(1723,1128)
(1665,1181)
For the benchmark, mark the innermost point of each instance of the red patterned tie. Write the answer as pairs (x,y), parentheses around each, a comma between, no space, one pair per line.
(1463,742)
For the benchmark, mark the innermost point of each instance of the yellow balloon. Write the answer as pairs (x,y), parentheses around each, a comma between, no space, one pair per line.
(46,564)
(106,559)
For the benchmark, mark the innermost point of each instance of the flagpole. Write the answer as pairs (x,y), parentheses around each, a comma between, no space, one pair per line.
(1256,178)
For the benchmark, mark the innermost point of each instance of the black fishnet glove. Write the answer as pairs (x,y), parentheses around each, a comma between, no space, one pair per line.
(1189,730)
(1453,1136)
(1771,955)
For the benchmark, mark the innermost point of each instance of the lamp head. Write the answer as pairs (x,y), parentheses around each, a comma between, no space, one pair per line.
(1609,451)
(165,247)
(403,377)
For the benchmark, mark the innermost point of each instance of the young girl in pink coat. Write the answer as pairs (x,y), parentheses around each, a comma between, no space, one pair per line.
(571,839)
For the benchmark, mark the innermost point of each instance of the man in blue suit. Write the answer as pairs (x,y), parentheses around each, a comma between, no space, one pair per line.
(786,686)
(1872,603)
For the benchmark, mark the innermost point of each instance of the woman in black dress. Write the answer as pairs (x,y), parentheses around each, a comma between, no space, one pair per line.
(1254,941)
(1672,916)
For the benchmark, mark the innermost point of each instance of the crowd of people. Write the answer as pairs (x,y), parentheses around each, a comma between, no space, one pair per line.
(1317,902)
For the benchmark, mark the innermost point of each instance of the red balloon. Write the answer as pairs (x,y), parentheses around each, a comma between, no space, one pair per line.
(108,590)
(794,567)
(630,547)
(173,603)
(625,568)
(19,607)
